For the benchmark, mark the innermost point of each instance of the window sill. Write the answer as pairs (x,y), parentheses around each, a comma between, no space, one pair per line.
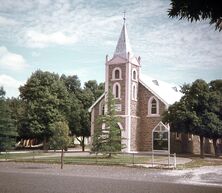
(116,79)
(154,115)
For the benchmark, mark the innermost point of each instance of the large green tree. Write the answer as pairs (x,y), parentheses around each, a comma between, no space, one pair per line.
(215,104)
(195,10)
(46,98)
(198,112)
(8,131)
(80,99)
(19,114)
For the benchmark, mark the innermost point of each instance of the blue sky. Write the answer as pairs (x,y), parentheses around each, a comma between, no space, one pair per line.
(73,37)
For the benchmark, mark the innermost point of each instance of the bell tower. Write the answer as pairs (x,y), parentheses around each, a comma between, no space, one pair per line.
(122,78)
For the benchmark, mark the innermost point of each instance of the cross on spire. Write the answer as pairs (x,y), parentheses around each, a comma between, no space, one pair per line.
(123,45)
(124,16)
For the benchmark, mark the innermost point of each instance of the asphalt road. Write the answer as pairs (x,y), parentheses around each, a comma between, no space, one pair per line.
(41,178)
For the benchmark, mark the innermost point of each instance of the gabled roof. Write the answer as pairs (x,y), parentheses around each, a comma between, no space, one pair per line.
(123,46)
(166,92)
(93,105)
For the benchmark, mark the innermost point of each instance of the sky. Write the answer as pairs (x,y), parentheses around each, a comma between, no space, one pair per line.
(72,37)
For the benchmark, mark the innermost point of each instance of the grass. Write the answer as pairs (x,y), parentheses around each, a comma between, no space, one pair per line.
(92,159)
(200,162)
(21,156)
(115,159)
(100,160)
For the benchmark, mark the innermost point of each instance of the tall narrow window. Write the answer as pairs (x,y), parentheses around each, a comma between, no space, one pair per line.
(116,90)
(134,74)
(134,92)
(153,106)
(117,74)
(102,108)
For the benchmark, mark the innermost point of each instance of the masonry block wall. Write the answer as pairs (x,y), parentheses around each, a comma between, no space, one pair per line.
(147,124)
(121,81)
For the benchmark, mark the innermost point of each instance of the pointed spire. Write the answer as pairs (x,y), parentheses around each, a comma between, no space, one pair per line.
(123,45)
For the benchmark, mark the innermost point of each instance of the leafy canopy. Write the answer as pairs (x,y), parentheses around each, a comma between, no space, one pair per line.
(46,98)
(195,10)
(8,131)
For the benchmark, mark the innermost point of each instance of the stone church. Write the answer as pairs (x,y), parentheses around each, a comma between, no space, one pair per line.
(140,101)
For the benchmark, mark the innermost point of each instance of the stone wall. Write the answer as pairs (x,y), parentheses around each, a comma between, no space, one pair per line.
(147,124)
(135,134)
(122,83)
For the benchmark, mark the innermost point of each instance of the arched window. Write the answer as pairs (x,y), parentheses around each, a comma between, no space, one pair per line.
(116,74)
(102,108)
(134,74)
(153,106)
(116,90)
(134,92)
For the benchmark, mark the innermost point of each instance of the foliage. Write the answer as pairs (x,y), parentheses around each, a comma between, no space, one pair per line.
(195,10)
(19,114)
(8,130)
(60,138)
(199,111)
(95,88)
(108,138)
(79,102)
(46,98)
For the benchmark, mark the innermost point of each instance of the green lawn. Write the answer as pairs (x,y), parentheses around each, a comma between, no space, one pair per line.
(115,159)
(100,159)
(93,159)
(199,162)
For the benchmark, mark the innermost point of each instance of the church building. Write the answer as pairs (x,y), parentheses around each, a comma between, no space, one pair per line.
(140,100)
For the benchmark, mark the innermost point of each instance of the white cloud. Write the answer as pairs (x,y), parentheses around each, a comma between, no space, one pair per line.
(7,21)
(10,85)
(37,39)
(167,46)
(12,61)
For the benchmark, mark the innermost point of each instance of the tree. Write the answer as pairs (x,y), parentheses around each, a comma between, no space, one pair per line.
(95,88)
(197,112)
(8,130)
(46,97)
(60,137)
(19,114)
(79,102)
(215,104)
(72,84)
(107,138)
(77,115)
(195,10)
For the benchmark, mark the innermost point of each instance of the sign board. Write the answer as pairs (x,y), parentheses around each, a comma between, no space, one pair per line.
(118,107)
(161,138)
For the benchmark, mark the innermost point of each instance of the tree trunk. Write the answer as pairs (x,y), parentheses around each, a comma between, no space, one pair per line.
(83,143)
(201,147)
(62,155)
(215,147)
(45,147)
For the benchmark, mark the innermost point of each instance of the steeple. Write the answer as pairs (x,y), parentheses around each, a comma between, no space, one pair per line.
(123,45)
